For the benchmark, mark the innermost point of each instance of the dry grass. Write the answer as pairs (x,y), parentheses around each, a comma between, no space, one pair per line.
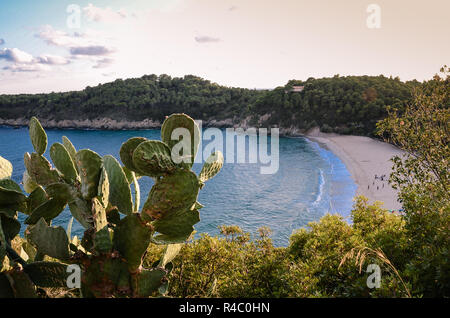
(360,254)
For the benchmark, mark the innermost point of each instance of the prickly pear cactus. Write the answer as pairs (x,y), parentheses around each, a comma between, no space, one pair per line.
(177,191)
(212,166)
(97,192)
(153,158)
(5,168)
(180,129)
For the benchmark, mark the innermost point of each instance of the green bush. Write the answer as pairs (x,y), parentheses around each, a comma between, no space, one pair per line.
(234,265)
(422,177)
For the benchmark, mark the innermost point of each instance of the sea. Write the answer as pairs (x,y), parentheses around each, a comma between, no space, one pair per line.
(310,182)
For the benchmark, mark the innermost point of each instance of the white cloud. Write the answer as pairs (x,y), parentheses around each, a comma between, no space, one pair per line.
(86,43)
(103,14)
(59,38)
(91,50)
(15,55)
(27,67)
(105,62)
(80,46)
(25,62)
(52,59)
(206,39)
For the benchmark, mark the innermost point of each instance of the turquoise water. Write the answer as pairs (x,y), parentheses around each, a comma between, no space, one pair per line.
(310,182)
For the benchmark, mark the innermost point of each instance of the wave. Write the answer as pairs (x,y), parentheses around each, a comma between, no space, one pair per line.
(321,185)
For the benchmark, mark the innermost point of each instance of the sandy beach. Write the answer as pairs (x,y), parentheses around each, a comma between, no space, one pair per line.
(364,157)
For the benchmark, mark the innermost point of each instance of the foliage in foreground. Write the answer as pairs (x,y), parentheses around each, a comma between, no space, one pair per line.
(422,177)
(234,265)
(329,258)
(97,190)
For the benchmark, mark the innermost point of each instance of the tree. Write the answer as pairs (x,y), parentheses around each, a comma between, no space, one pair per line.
(422,178)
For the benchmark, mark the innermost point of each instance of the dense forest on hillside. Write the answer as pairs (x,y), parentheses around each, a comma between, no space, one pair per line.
(351,104)
(150,96)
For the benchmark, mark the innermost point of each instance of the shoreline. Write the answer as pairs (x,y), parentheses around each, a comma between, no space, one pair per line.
(91,124)
(106,123)
(364,158)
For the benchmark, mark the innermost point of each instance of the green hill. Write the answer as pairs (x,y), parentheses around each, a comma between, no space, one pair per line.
(342,104)
(351,104)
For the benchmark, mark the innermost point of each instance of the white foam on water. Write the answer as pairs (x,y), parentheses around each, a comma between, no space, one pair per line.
(321,185)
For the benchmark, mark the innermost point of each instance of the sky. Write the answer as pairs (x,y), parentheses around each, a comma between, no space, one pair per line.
(60,45)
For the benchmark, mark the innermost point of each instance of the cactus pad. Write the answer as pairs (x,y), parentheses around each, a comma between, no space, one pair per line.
(103,240)
(38,136)
(152,158)
(6,168)
(127,150)
(170,253)
(103,188)
(70,148)
(47,274)
(120,192)
(131,239)
(28,184)
(212,166)
(10,185)
(48,211)
(36,198)
(177,227)
(175,121)
(89,168)
(81,212)
(98,214)
(61,191)
(129,174)
(148,281)
(172,193)
(105,277)
(63,162)
(51,241)
(40,170)
(9,197)
(11,226)
(23,287)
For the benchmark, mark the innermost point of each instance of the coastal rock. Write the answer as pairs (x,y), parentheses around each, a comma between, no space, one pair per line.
(113,124)
(291,131)
(224,123)
(98,123)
